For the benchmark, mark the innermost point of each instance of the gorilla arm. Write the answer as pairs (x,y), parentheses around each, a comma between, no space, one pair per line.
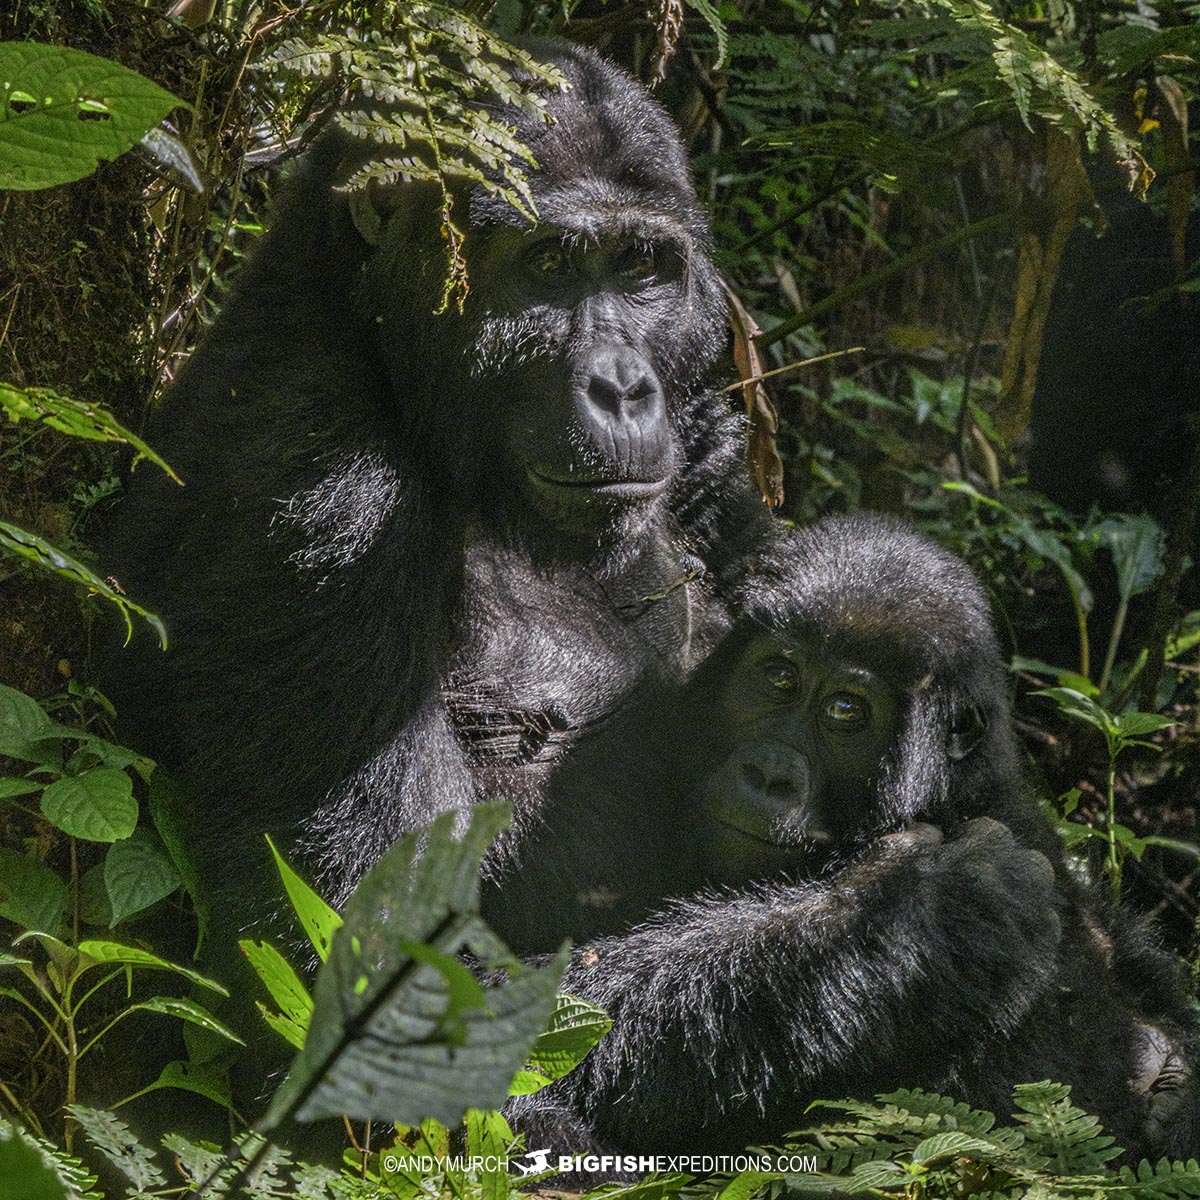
(732,1013)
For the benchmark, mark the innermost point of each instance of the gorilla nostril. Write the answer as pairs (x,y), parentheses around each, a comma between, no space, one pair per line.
(606,394)
(754,777)
(781,786)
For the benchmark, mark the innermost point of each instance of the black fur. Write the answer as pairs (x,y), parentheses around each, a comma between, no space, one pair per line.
(943,944)
(374,614)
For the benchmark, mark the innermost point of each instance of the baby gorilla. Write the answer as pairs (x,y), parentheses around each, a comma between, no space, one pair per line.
(893,909)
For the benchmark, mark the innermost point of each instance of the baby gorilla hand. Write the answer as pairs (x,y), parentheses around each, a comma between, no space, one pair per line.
(991,911)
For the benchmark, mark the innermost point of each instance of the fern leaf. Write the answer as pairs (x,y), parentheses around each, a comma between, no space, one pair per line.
(712,19)
(1071,1139)
(114,1139)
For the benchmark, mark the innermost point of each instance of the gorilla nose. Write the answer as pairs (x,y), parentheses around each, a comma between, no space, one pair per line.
(622,384)
(621,405)
(776,774)
(766,792)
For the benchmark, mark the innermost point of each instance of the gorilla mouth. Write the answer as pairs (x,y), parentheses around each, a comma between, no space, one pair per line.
(630,491)
(779,825)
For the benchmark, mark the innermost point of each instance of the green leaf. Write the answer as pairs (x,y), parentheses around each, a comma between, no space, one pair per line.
(113,952)
(1137,546)
(97,806)
(187,1010)
(137,874)
(318,920)
(201,1079)
(1134,724)
(64,110)
(10,788)
(31,894)
(1082,708)
(73,417)
(22,722)
(42,554)
(286,990)
(953,1144)
(24,1172)
(375,1047)
(1064,676)
(575,1026)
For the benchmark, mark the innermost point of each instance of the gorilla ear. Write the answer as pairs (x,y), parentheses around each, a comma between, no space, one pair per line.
(366,217)
(966,732)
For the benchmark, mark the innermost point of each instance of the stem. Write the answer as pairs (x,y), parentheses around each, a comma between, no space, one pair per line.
(27,1118)
(1113,639)
(1085,653)
(1114,864)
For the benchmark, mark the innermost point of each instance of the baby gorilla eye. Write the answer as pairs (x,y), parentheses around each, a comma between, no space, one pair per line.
(781,674)
(845,708)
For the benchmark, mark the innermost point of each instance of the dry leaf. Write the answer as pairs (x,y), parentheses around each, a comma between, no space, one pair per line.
(764,420)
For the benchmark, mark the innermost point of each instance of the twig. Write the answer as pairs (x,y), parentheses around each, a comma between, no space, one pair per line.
(808,362)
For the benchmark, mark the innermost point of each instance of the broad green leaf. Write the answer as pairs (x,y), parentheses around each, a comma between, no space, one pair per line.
(31,894)
(575,1026)
(287,1029)
(1137,546)
(1082,708)
(189,1077)
(97,806)
(113,952)
(25,1172)
(11,788)
(62,110)
(137,874)
(72,417)
(1064,676)
(489,1138)
(953,1144)
(284,985)
(22,722)
(187,1010)
(318,920)
(373,1048)
(1134,724)
(42,554)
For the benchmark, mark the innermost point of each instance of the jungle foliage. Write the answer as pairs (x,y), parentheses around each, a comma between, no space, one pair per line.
(895,187)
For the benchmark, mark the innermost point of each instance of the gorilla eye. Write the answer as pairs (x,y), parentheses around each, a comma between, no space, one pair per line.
(845,708)
(781,674)
(550,258)
(638,264)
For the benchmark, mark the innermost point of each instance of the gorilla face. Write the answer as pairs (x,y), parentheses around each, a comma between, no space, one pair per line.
(808,733)
(573,341)
(582,351)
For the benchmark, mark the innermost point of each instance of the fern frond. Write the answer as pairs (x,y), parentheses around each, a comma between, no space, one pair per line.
(1164,1178)
(1072,1140)
(116,1141)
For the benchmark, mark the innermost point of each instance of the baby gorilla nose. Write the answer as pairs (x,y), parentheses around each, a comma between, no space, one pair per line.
(776,774)
(765,792)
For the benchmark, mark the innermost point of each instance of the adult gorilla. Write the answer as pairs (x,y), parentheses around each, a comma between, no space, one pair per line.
(415,554)
(846,761)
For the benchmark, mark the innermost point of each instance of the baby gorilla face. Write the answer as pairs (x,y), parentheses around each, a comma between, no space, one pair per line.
(805,735)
